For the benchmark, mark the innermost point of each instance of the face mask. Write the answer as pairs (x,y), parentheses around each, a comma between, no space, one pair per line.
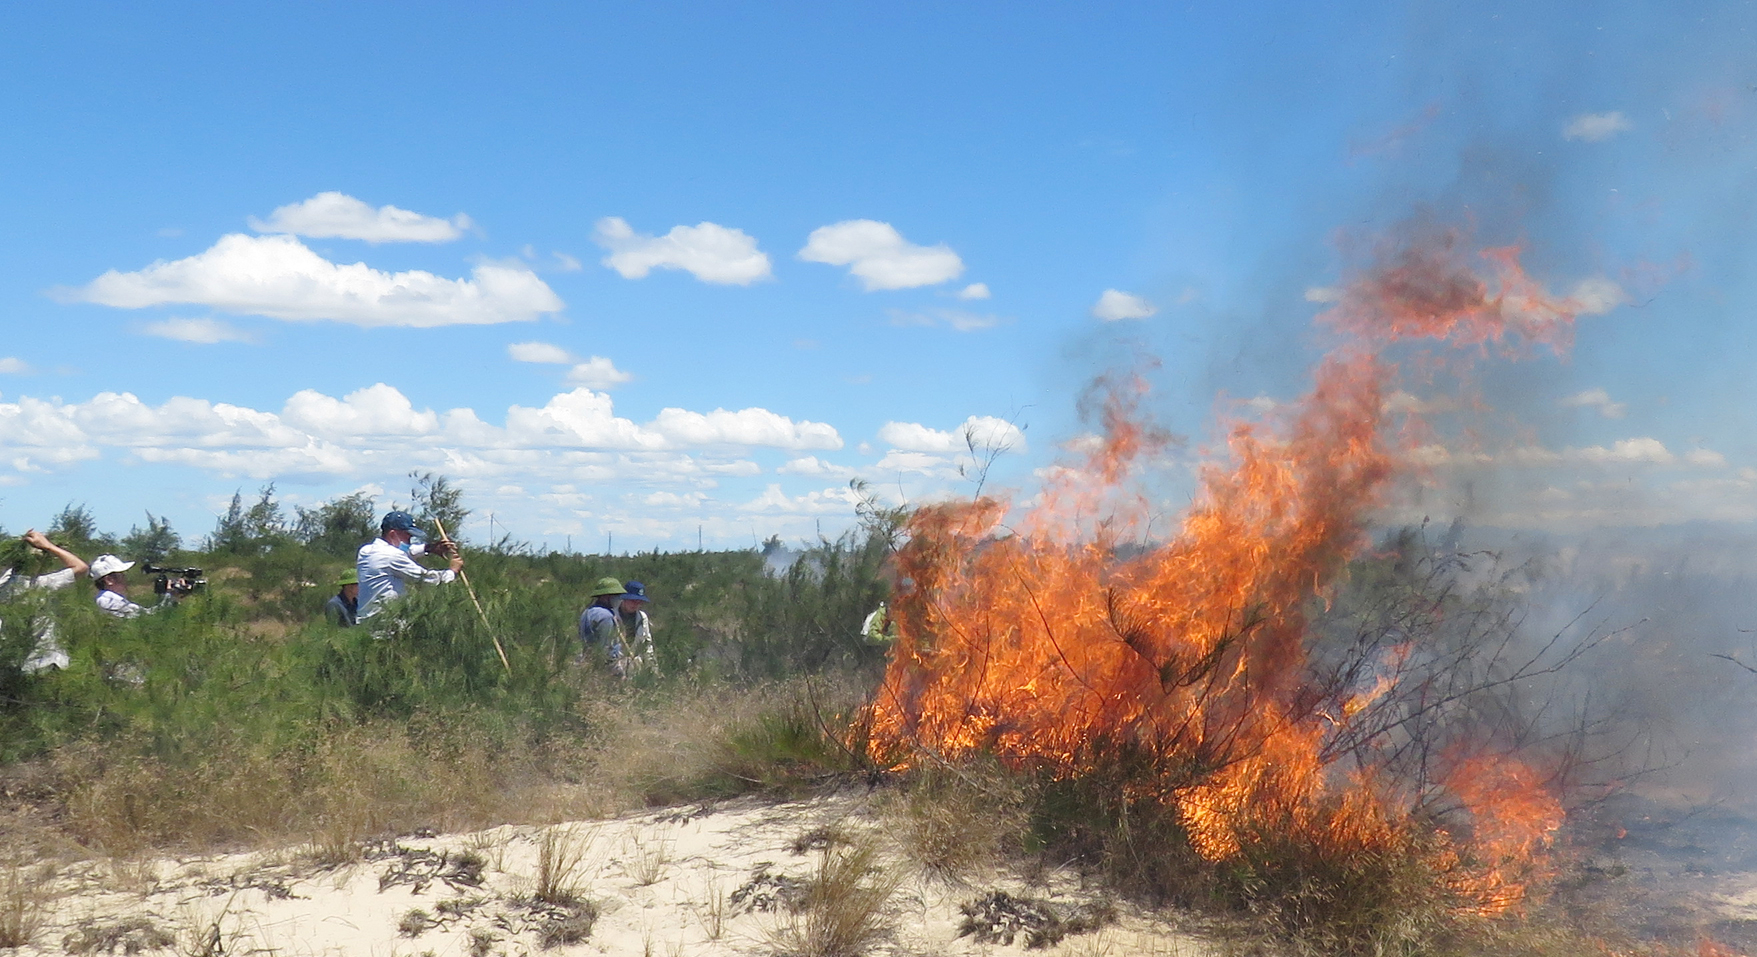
(403,547)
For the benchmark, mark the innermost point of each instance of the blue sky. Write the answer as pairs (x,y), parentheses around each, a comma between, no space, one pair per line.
(849,183)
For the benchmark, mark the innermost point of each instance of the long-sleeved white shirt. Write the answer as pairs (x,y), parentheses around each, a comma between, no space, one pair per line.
(48,652)
(385,572)
(119,605)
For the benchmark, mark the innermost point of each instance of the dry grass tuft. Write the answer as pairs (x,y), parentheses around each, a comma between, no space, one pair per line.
(204,932)
(844,909)
(127,935)
(24,895)
(561,854)
(953,822)
(647,861)
(713,912)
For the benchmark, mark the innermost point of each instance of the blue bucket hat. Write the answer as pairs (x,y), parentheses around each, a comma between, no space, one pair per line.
(399,521)
(634,591)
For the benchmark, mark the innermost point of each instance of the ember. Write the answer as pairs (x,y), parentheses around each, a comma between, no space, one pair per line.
(1041,645)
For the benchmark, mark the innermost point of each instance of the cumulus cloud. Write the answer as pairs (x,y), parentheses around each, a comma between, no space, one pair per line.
(1626,451)
(595,372)
(707,251)
(1115,305)
(976,290)
(11,365)
(1705,458)
(829,500)
(1598,400)
(880,256)
(918,463)
(199,330)
(539,352)
(598,373)
(319,434)
(811,465)
(334,215)
(278,277)
(980,431)
(1596,127)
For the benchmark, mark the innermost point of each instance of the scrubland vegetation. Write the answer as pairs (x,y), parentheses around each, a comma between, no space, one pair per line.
(242,718)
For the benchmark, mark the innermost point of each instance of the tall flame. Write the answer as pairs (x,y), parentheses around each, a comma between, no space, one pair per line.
(1041,645)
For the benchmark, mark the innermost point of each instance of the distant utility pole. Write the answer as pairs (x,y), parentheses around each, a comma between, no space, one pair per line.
(698,538)
(609,543)
(570,543)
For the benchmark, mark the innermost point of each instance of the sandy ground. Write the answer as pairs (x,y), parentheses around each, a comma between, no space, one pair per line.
(705,880)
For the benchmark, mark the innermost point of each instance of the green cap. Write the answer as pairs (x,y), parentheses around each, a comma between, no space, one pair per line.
(349,577)
(607,586)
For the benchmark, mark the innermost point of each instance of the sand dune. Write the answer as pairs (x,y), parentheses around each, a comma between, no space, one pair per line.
(707,880)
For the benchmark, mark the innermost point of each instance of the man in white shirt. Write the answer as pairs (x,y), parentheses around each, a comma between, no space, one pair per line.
(387,564)
(111,575)
(48,652)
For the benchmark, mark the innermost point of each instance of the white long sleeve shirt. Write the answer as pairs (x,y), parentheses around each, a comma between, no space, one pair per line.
(119,605)
(48,652)
(385,572)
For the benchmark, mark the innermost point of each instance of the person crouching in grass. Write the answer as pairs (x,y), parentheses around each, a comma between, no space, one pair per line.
(343,608)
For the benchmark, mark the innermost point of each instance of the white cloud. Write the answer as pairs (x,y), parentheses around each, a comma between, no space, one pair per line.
(1705,458)
(1598,400)
(958,320)
(334,215)
(758,427)
(919,463)
(1323,294)
(976,290)
(1596,127)
(567,263)
(375,427)
(1114,305)
(199,330)
(595,372)
(1597,295)
(982,431)
(598,373)
(540,352)
(880,256)
(811,465)
(278,277)
(830,500)
(708,251)
(11,365)
(1638,450)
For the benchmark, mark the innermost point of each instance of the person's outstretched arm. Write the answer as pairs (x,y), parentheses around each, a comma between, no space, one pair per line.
(40,542)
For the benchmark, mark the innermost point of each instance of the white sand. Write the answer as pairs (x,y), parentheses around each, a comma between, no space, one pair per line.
(658,880)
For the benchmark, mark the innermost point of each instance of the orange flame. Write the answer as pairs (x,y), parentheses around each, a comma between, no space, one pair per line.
(1047,650)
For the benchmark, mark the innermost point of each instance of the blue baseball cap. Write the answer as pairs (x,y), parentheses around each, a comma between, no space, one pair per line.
(634,591)
(399,521)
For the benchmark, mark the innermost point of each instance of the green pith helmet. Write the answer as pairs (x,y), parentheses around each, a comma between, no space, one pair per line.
(607,586)
(349,577)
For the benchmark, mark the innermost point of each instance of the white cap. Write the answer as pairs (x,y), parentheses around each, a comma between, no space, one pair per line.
(108,565)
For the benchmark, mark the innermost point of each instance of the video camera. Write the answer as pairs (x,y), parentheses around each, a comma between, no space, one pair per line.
(175,581)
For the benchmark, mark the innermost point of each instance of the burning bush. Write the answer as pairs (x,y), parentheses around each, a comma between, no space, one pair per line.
(1186,680)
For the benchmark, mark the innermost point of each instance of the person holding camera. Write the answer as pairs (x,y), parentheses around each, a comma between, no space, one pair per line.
(110,574)
(386,565)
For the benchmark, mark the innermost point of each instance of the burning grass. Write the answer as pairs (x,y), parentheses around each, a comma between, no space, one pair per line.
(1362,785)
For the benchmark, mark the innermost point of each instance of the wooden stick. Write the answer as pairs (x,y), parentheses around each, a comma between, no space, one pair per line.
(473,600)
